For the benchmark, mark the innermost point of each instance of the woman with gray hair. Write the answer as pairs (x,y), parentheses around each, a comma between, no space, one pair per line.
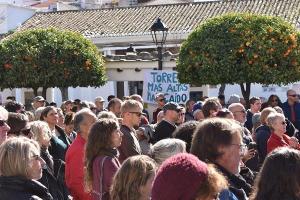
(166,148)
(290,128)
(278,138)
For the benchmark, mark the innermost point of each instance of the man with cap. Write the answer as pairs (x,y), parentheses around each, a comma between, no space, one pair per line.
(167,126)
(99,102)
(37,102)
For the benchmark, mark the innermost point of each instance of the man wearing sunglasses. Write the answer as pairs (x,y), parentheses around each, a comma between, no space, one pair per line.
(291,108)
(131,111)
(167,126)
(161,101)
(4,128)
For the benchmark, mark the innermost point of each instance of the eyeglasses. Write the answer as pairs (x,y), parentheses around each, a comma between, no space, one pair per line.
(37,157)
(241,111)
(139,114)
(283,123)
(2,122)
(243,148)
(292,95)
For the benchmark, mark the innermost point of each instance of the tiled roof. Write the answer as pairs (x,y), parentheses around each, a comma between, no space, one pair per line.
(180,18)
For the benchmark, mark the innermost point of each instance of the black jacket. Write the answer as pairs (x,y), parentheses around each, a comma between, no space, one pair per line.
(18,188)
(53,176)
(163,130)
(262,135)
(237,184)
(59,145)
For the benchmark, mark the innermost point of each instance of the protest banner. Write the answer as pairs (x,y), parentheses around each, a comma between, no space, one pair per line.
(164,82)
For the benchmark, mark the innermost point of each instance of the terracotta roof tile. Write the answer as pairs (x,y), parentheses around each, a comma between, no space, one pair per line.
(179,18)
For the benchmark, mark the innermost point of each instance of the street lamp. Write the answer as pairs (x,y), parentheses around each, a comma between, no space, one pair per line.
(159,33)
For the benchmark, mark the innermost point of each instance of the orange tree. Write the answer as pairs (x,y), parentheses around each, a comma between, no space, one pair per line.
(50,58)
(241,48)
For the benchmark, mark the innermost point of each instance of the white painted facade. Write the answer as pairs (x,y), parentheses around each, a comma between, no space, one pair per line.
(12,16)
(257,90)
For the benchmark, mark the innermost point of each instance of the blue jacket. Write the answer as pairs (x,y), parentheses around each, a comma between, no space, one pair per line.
(262,135)
(287,112)
(227,195)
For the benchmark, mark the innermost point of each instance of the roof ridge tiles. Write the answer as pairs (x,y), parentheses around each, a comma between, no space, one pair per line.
(180,18)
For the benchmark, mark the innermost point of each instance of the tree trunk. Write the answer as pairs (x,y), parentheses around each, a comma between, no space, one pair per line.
(44,92)
(246,93)
(64,93)
(35,91)
(222,89)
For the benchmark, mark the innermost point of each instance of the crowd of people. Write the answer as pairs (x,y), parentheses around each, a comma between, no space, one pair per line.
(205,150)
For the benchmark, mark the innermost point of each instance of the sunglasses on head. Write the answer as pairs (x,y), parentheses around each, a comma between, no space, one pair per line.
(2,122)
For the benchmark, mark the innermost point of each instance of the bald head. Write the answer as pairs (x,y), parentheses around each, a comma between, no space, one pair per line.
(238,111)
(235,106)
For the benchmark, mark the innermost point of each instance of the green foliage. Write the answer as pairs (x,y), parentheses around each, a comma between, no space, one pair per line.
(241,48)
(50,58)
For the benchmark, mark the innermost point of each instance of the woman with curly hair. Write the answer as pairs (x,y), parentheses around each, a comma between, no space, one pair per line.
(101,157)
(134,179)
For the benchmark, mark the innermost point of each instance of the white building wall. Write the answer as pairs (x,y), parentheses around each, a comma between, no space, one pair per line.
(17,15)
(89,93)
(12,16)
(257,90)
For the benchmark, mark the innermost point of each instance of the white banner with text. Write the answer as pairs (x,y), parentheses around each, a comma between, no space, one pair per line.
(164,82)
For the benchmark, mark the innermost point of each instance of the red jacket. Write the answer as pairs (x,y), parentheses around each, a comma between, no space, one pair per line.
(74,174)
(275,141)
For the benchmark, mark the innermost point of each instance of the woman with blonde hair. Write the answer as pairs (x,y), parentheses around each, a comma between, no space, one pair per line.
(134,179)
(20,167)
(101,157)
(51,179)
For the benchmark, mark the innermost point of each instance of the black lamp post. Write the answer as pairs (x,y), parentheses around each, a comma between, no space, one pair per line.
(159,33)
